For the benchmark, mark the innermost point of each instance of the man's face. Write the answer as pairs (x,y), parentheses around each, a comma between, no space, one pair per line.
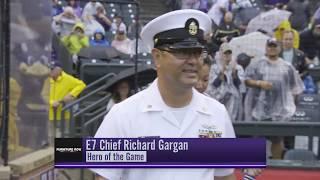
(272,50)
(93,2)
(228,17)
(287,40)
(55,73)
(179,68)
(203,80)
(227,56)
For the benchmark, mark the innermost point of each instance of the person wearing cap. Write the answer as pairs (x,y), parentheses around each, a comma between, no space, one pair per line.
(272,85)
(201,87)
(64,88)
(169,106)
(225,80)
(310,41)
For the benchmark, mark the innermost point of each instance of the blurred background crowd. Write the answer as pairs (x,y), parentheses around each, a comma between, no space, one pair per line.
(245,35)
(264,64)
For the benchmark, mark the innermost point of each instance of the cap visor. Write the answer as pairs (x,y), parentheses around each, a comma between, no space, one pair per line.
(187,45)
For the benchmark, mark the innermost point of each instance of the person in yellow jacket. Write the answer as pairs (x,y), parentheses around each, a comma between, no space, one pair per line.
(76,40)
(64,88)
(286,26)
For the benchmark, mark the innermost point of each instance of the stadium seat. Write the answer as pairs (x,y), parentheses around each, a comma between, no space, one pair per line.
(309,101)
(300,154)
(305,115)
(144,56)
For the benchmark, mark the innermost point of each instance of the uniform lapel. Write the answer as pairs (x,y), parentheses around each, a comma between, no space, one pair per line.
(197,108)
(154,103)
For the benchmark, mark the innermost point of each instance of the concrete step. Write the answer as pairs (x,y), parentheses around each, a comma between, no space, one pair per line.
(5,172)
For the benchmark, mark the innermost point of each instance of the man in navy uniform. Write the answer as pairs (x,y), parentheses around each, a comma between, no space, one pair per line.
(170,107)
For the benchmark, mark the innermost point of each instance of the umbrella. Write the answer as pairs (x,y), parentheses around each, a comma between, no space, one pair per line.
(98,52)
(146,74)
(268,21)
(252,44)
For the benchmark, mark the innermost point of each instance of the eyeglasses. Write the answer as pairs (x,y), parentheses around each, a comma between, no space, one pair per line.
(185,54)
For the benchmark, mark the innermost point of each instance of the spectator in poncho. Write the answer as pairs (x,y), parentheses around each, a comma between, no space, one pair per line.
(225,80)
(273,84)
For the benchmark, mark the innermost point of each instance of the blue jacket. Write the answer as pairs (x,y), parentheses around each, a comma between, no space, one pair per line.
(102,42)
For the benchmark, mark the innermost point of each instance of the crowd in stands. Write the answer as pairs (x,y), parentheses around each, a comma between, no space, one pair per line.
(262,90)
(95,24)
(297,38)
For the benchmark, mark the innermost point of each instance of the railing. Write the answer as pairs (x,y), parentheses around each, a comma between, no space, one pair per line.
(75,104)
(89,127)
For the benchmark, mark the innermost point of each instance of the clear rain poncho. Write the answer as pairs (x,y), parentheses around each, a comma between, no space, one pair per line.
(276,104)
(227,92)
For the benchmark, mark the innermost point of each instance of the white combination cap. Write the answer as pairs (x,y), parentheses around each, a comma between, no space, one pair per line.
(178,29)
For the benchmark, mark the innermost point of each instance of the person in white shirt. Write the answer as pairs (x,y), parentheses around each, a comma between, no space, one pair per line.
(218,9)
(170,107)
(121,42)
(90,8)
(63,23)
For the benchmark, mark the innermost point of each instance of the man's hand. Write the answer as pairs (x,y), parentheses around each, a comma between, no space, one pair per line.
(55,104)
(68,98)
(265,85)
(252,172)
(101,15)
